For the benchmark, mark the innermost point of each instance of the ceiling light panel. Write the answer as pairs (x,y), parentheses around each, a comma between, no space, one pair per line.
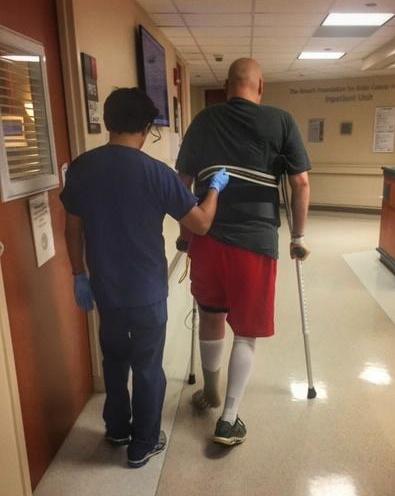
(320,55)
(357,19)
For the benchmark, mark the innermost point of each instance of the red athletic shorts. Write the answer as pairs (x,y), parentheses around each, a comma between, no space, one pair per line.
(236,281)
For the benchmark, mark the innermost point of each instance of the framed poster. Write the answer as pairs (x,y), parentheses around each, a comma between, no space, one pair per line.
(384,130)
(316,131)
(153,74)
(89,74)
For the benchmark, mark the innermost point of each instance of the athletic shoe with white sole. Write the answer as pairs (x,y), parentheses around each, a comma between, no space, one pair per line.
(228,434)
(137,458)
(117,440)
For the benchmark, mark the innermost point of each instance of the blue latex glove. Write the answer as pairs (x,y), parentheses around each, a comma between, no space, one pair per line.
(220,180)
(83,292)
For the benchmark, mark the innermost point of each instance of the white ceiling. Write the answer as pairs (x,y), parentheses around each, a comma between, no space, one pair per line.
(274,32)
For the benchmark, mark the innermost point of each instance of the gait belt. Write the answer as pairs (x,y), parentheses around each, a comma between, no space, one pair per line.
(250,175)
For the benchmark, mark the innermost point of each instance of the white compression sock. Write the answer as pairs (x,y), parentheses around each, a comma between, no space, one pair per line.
(211,352)
(239,371)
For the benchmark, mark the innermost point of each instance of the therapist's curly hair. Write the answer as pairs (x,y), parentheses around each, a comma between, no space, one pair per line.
(129,110)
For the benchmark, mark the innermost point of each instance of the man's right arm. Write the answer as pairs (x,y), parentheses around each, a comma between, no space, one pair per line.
(185,234)
(200,218)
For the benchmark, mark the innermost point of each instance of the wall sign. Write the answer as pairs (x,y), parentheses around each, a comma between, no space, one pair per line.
(89,74)
(40,216)
(316,130)
(384,130)
(346,128)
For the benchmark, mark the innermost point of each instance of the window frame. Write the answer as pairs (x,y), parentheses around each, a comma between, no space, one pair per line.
(11,190)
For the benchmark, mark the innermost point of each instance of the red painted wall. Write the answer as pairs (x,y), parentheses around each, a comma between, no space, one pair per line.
(49,333)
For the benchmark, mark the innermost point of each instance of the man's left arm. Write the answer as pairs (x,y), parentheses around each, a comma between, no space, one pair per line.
(297,165)
(74,234)
(299,205)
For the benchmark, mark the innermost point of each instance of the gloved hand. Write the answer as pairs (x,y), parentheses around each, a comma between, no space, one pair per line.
(298,248)
(182,244)
(83,292)
(220,180)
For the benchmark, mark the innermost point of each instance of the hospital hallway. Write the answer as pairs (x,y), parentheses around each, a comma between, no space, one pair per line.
(340,444)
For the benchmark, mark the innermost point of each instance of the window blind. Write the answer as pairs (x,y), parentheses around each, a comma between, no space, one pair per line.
(23,114)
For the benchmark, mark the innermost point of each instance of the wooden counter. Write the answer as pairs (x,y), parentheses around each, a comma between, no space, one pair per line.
(387,229)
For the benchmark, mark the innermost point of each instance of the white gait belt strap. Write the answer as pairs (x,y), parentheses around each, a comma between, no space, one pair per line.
(250,175)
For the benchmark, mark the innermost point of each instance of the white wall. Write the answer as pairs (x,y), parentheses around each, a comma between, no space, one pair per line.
(106,30)
(346,171)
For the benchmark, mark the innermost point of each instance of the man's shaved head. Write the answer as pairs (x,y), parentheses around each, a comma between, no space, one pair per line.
(245,79)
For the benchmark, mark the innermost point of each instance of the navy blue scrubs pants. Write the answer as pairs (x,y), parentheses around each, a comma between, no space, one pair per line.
(134,338)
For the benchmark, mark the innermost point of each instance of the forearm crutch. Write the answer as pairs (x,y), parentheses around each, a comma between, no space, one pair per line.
(311,393)
(193,312)
(192,364)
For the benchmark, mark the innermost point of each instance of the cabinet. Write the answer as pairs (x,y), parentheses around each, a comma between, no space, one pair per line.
(386,246)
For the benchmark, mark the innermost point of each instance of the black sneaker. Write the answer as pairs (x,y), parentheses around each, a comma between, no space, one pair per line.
(136,459)
(115,440)
(226,433)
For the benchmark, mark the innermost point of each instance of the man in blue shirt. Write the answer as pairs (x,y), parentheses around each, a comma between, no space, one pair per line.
(116,198)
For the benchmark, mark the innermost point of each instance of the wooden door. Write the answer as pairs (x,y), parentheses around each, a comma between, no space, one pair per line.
(49,334)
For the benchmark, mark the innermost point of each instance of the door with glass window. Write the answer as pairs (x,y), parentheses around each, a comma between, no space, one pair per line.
(49,333)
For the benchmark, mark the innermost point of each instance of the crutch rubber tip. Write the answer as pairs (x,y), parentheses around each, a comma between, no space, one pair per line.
(192,379)
(311,393)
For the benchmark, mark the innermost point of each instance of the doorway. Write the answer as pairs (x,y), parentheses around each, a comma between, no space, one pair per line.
(49,334)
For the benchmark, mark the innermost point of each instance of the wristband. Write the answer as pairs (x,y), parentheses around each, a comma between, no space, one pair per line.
(297,239)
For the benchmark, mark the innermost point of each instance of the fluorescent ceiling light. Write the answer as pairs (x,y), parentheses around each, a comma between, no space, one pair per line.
(321,55)
(22,58)
(360,19)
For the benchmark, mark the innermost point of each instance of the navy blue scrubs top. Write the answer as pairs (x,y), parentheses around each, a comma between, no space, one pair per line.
(122,196)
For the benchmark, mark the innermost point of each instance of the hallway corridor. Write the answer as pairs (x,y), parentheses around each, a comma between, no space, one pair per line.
(341,444)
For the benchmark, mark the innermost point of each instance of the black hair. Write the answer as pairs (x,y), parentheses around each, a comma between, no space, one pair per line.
(129,110)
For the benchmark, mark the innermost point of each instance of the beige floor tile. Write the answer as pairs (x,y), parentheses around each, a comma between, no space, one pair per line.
(340,444)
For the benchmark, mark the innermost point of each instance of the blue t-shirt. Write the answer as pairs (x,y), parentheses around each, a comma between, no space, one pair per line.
(122,196)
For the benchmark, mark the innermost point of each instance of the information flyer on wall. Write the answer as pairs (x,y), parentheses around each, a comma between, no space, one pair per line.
(42,228)
(384,130)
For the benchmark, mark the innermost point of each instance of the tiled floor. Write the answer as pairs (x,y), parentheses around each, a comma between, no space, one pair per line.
(86,465)
(375,276)
(340,444)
